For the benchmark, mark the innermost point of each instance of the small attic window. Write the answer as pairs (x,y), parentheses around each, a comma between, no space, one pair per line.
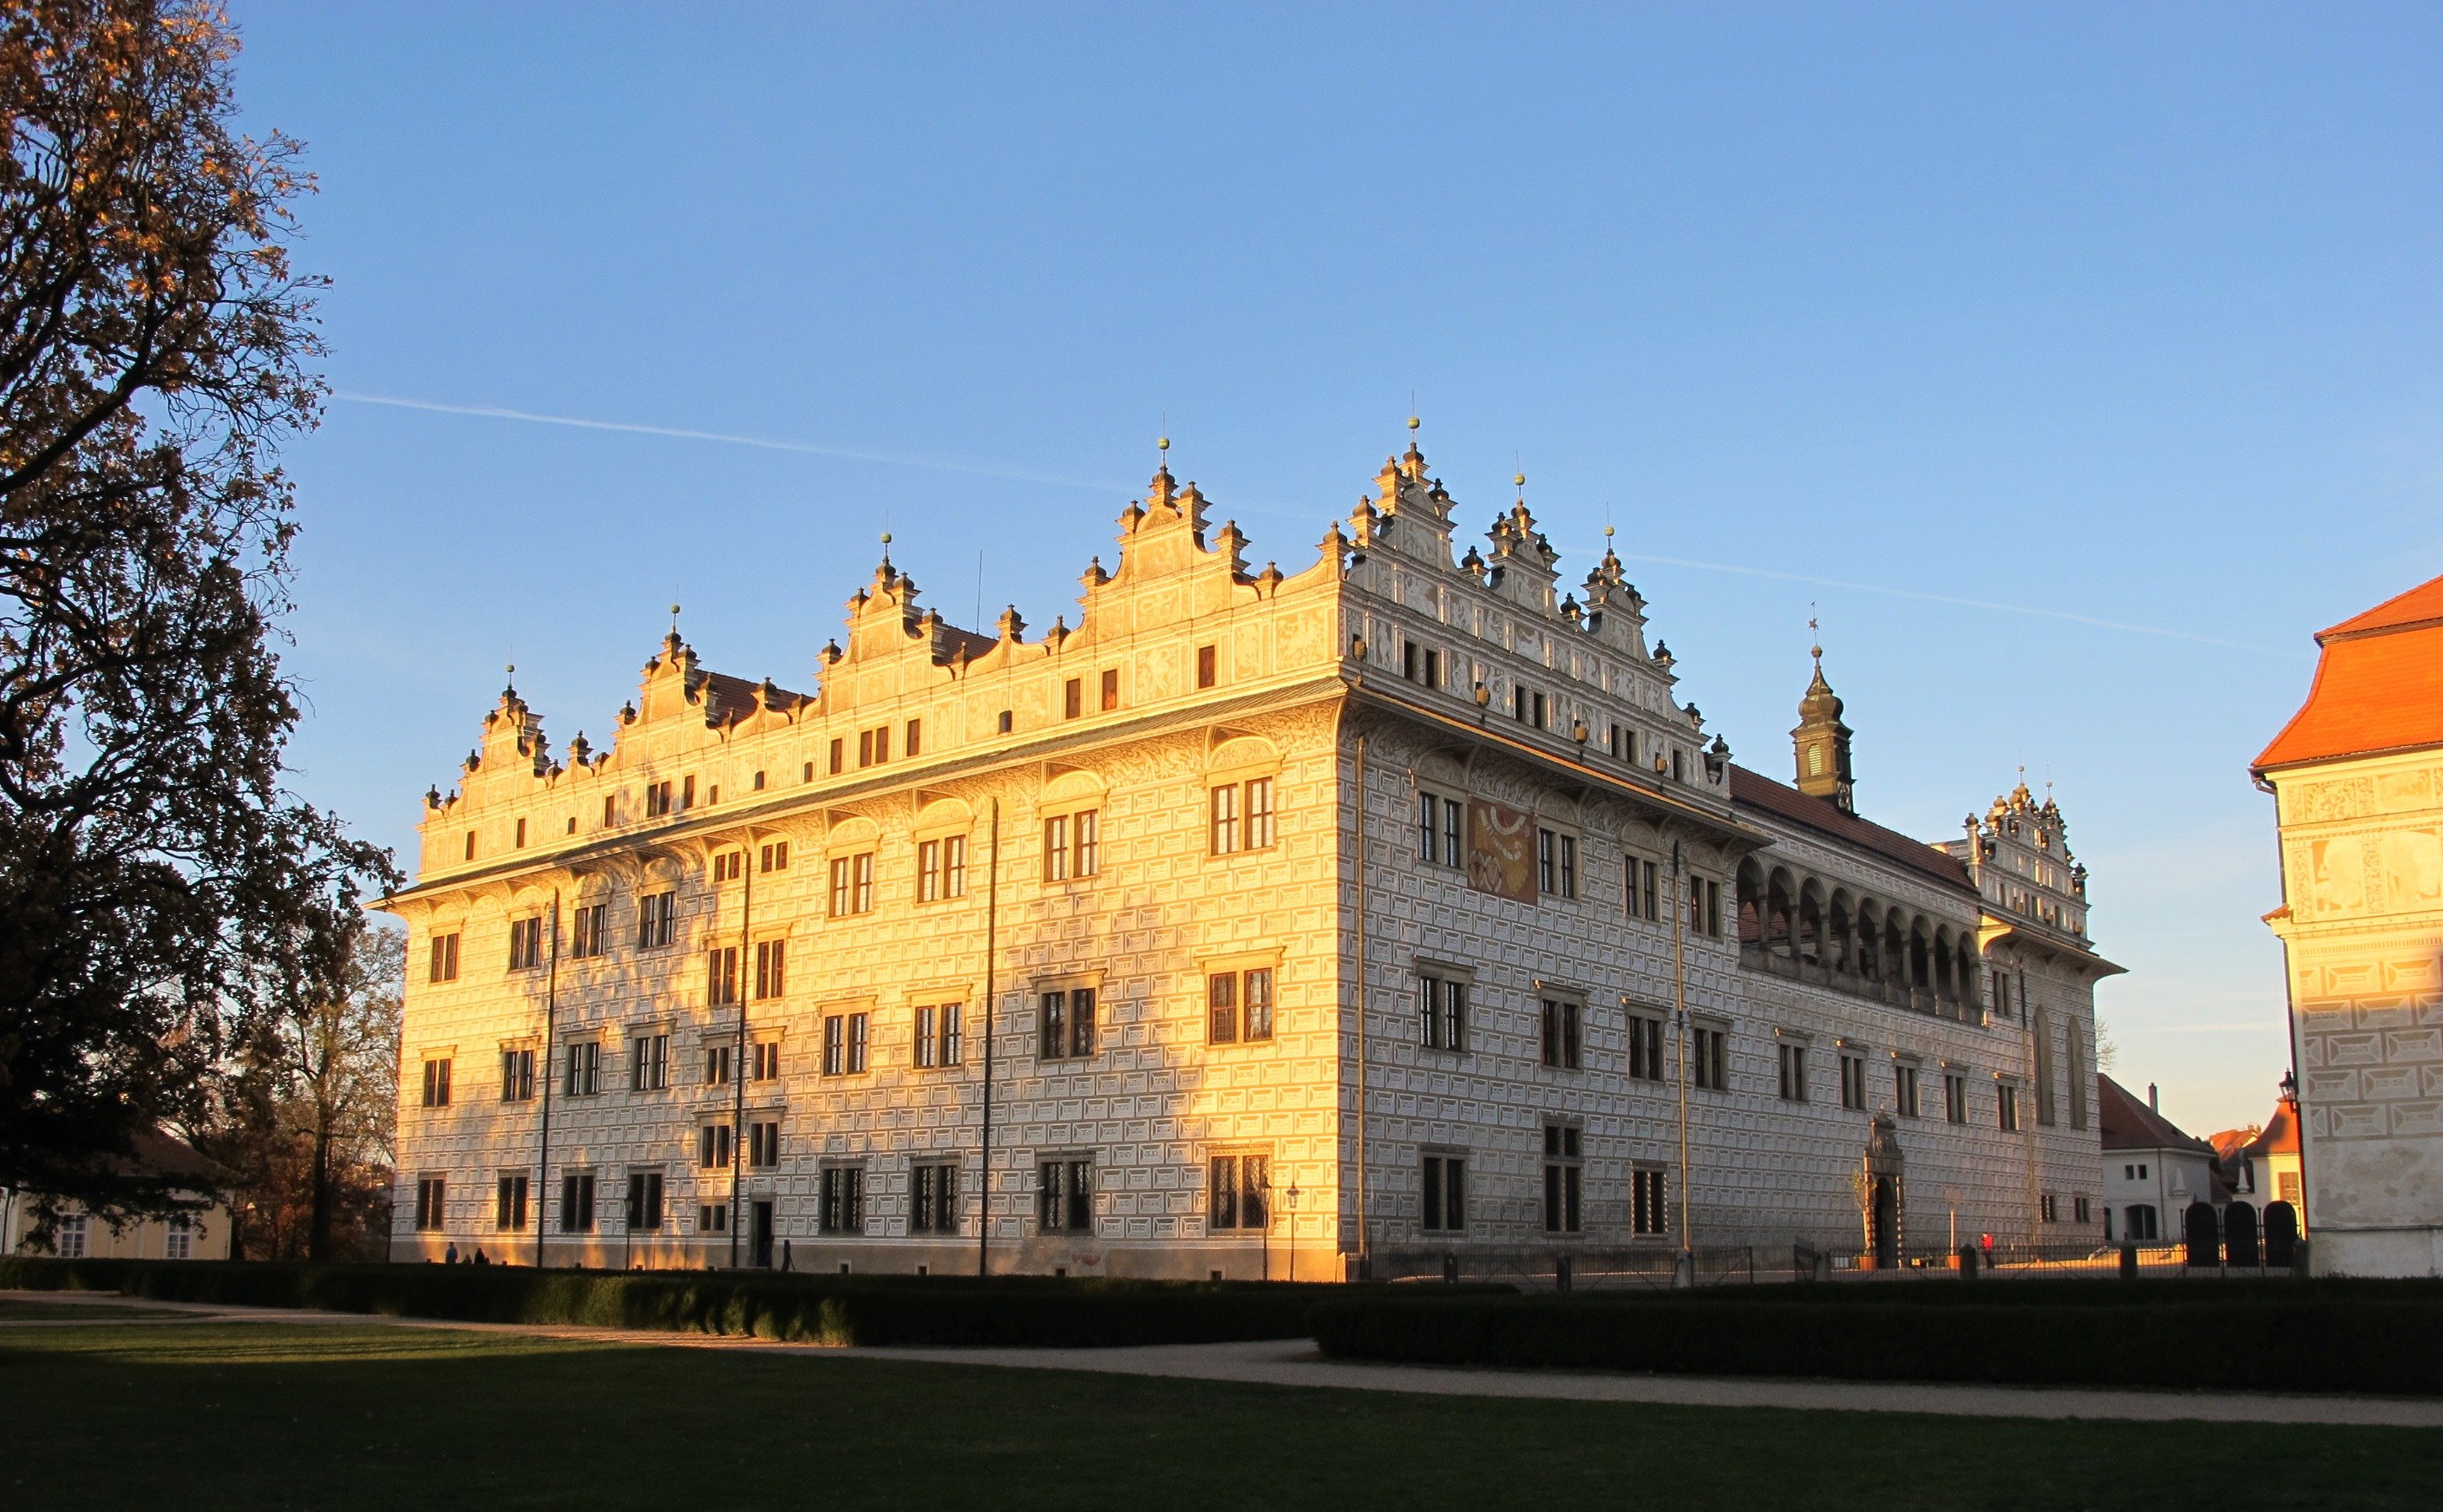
(809,774)
(713,795)
(759,781)
(522,835)
(1073,698)
(572,823)
(1205,671)
(1110,688)
(1005,721)
(610,810)
(470,845)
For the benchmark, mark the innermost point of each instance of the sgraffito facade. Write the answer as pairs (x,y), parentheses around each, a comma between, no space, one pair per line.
(1261,921)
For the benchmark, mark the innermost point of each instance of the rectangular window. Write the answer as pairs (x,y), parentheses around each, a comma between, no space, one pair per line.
(1904,1091)
(2006,1107)
(576,1202)
(1239,1006)
(431,1198)
(771,968)
(445,958)
(650,1071)
(1066,1028)
(937,1035)
(1853,1081)
(1073,698)
(1205,670)
(1064,1196)
(610,810)
(1441,1012)
(1709,1055)
(1560,1034)
(712,1217)
(1088,834)
(526,944)
(584,1076)
(509,1204)
(657,799)
(852,884)
(720,976)
(2051,1212)
(658,917)
(1645,1047)
(1110,688)
(933,1198)
(1794,1071)
(1556,863)
(764,1144)
(844,1044)
(914,742)
(644,1201)
(178,1237)
(1563,1180)
(589,934)
(436,1082)
(1623,744)
(1643,880)
(1239,1191)
(470,845)
(1647,1213)
(1242,817)
(728,866)
(843,1199)
(2082,1209)
(716,1065)
(763,1057)
(836,763)
(1225,820)
(1055,848)
(1955,1097)
(518,1074)
(942,869)
(776,856)
(712,1147)
(1443,1205)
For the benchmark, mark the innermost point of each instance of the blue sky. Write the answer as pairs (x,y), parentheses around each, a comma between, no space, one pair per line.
(2079,363)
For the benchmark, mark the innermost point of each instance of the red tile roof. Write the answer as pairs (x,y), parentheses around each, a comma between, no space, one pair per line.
(1759,791)
(2127,1123)
(2379,685)
(2281,1136)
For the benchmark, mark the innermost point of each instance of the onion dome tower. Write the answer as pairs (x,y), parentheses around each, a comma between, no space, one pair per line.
(1821,742)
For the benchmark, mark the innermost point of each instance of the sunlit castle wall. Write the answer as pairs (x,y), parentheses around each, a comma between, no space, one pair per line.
(1048,953)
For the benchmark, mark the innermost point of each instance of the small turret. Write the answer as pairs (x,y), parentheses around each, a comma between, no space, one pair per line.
(1820,744)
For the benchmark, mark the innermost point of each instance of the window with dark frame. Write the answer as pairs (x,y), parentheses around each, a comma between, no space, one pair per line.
(1443,1205)
(584,1075)
(712,1217)
(1206,672)
(658,916)
(1904,1083)
(2006,1106)
(1239,1006)
(843,1199)
(712,1147)
(1556,863)
(1853,1081)
(913,742)
(1110,688)
(1955,1097)
(1793,1071)
(1709,1064)
(941,869)
(1441,1012)
(1064,1195)
(657,799)
(589,932)
(649,1066)
(720,976)
(1239,1193)
(844,1044)
(1648,1213)
(436,1082)
(1065,1029)
(763,1055)
(432,1203)
(526,944)
(644,1201)
(1643,882)
(851,884)
(1560,1036)
(1645,1047)
(936,1039)
(1243,817)
(445,958)
(576,1202)
(1564,1179)
(509,1204)
(933,1198)
(1073,698)
(763,1143)
(518,1074)
(716,1065)
(771,968)
(775,857)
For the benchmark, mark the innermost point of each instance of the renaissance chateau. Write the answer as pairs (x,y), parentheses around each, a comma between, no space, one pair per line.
(1259,923)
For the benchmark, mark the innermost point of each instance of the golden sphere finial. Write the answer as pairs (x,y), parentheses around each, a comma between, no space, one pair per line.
(1519,479)
(885,538)
(1162,444)
(1413,422)
(1607,532)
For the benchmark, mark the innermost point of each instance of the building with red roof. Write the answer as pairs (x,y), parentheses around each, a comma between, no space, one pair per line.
(2357,776)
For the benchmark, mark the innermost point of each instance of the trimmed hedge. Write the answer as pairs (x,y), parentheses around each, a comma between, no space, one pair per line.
(2321,1339)
(940,1309)
(1940,1289)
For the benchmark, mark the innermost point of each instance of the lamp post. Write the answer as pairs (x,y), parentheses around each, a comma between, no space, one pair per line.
(1290,1199)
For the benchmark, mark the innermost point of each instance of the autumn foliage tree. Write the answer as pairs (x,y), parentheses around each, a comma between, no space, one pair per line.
(159,887)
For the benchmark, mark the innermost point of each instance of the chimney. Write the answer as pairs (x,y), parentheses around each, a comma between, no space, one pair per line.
(2152,1106)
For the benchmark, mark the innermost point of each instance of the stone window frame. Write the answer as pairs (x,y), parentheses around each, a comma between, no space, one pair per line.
(1553,1046)
(1237,963)
(1802,1042)
(1425,967)
(1090,979)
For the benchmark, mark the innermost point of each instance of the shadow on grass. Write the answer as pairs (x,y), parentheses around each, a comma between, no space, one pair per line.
(279,1416)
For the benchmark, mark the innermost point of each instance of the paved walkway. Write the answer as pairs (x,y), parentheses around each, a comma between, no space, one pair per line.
(1296,1362)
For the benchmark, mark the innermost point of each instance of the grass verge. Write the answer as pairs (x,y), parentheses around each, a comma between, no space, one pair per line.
(280,1416)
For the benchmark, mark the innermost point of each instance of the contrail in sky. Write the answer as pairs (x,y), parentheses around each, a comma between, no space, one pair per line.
(1964,603)
(902,459)
(939,464)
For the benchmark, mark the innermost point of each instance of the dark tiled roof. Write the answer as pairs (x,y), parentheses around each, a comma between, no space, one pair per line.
(1755,790)
(2127,1123)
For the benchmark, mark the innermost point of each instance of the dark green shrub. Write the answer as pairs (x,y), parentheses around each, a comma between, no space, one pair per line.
(2325,1338)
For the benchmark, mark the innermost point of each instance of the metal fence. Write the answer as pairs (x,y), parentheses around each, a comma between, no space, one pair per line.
(1587,1268)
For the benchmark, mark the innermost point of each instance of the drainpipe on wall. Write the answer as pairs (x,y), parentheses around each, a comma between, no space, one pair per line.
(983,1168)
(541,1205)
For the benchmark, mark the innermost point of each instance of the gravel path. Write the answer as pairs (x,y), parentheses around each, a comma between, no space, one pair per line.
(1296,1362)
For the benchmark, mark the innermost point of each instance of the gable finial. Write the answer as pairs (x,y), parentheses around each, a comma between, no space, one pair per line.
(886,548)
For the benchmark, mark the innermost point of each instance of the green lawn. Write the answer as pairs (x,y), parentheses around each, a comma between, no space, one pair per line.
(365,1418)
(13,1311)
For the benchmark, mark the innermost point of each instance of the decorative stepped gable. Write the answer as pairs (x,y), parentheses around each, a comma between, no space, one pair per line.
(1615,611)
(1523,567)
(2020,855)
(1409,514)
(894,646)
